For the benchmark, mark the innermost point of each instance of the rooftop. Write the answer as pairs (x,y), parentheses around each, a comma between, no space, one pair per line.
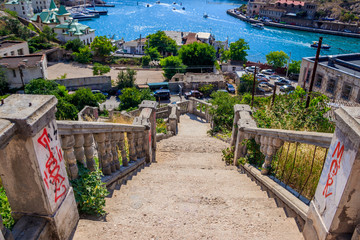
(177,36)
(17,61)
(296,3)
(5,44)
(74,27)
(347,63)
(203,35)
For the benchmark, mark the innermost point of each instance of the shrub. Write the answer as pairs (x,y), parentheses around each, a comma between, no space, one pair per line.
(84,55)
(132,97)
(161,126)
(74,45)
(206,89)
(99,69)
(126,79)
(145,61)
(172,65)
(5,210)
(90,191)
(228,155)
(12,13)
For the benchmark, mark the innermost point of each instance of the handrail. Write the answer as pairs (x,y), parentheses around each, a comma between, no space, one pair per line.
(313,138)
(200,101)
(74,127)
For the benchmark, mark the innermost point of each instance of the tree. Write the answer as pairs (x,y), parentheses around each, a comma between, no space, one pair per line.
(4,85)
(197,54)
(153,53)
(277,59)
(145,60)
(294,66)
(238,50)
(41,86)
(102,46)
(172,65)
(246,84)
(84,55)
(206,89)
(74,45)
(99,69)
(48,33)
(126,79)
(162,43)
(84,97)
(132,97)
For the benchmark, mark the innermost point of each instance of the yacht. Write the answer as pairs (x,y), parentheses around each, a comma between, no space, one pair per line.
(258,25)
(315,44)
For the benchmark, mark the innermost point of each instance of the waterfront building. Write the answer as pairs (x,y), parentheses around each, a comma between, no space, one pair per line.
(23,8)
(64,26)
(338,76)
(20,70)
(40,5)
(13,48)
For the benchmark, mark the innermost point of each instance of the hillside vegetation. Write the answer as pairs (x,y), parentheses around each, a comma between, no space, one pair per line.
(343,10)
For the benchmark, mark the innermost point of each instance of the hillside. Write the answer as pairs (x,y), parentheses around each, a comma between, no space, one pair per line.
(344,10)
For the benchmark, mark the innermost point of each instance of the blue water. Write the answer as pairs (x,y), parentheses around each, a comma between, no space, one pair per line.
(128,20)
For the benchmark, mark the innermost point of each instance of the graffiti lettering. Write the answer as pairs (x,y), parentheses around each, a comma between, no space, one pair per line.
(334,168)
(51,173)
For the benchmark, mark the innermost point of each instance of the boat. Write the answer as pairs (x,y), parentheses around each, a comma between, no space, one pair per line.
(83,16)
(205,15)
(315,44)
(157,2)
(174,3)
(174,8)
(183,8)
(258,25)
(147,5)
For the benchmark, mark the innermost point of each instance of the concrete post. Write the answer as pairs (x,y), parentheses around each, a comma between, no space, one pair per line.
(32,165)
(335,209)
(148,111)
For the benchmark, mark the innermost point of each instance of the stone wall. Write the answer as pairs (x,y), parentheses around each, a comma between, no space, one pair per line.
(102,83)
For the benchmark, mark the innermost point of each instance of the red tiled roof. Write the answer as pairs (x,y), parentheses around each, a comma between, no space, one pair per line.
(191,38)
(291,2)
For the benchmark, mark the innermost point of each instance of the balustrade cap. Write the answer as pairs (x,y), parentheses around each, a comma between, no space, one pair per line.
(148,104)
(348,120)
(7,130)
(29,112)
(75,127)
(242,107)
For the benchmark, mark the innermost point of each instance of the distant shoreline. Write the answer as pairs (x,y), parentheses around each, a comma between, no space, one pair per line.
(288,26)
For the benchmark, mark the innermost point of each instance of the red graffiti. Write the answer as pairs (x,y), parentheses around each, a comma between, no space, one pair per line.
(52,174)
(334,168)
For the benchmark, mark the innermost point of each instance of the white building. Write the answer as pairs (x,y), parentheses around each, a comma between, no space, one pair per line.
(20,70)
(13,48)
(40,5)
(71,30)
(23,8)
(135,46)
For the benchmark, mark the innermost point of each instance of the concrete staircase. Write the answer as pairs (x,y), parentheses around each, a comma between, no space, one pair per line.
(189,193)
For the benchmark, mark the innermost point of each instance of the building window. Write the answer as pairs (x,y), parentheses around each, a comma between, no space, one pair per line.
(12,53)
(331,86)
(308,75)
(24,13)
(14,73)
(5,54)
(20,51)
(346,92)
(23,8)
(319,79)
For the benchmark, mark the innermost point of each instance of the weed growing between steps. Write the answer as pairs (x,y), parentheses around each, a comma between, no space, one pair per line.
(90,191)
(5,210)
(228,155)
(161,126)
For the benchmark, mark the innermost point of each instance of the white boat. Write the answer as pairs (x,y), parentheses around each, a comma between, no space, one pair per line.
(157,2)
(258,25)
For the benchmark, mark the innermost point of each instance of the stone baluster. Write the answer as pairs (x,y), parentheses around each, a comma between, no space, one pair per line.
(131,142)
(140,145)
(115,138)
(89,151)
(122,148)
(103,161)
(79,148)
(67,144)
(268,147)
(109,155)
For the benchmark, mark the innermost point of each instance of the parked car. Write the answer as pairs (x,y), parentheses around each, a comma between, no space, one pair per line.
(294,76)
(267,71)
(269,84)
(250,69)
(265,87)
(287,88)
(262,80)
(162,94)
(283,82)
(274,77)
(259,91)
(260,75)
(230,88)
(193,93)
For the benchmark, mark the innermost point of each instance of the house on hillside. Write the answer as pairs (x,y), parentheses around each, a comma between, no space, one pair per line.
(40,5)
(192,81)
(23,8)
(337,76)
(20,70)
(136,46)
(13,48)
(65,27)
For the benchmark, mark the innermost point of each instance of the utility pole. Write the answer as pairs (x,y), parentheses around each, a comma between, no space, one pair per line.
(253,90)
(273,96)
(287,69)
(313,72)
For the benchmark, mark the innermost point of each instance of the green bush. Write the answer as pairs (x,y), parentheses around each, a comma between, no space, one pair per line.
(12,13)
(126,79)
(161,126)
(228,155)
(206,89)
(132,97)
(145,61)
(84,55)
(5,210)
(74,45)
(99,69)
(90,191)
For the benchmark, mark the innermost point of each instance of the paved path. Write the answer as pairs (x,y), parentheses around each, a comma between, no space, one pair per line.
(190,194)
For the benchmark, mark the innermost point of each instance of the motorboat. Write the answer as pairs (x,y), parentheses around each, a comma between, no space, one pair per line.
(100,12)
(205,15)
(315,44)
(258,25)
(174,8)
(183,8)
(147,5)
(83,16)
(157,2)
